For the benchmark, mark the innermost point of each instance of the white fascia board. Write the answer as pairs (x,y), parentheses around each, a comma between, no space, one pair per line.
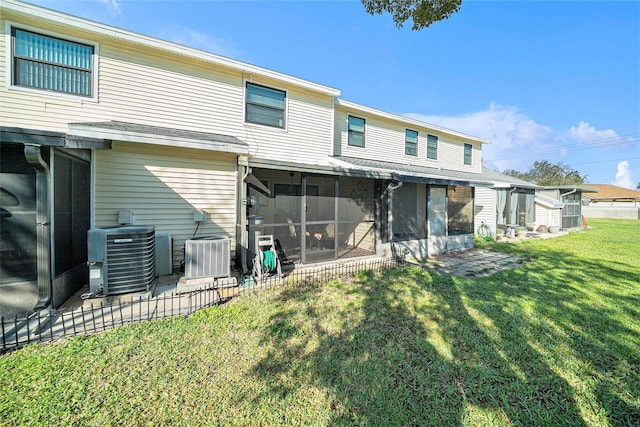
(145,138)
(497,184)
(406,120)
(106,30)
(548,202)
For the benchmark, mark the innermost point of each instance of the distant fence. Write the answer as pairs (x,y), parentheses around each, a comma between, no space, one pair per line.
(51,324)
(611,212)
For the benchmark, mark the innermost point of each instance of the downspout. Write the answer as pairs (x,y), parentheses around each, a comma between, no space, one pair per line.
(34,157)
(390,189)
(242,212)
(568,193)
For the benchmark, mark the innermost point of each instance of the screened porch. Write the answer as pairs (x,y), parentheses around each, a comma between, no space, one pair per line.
(313,217)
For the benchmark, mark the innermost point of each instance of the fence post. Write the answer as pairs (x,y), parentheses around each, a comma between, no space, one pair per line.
(4,342)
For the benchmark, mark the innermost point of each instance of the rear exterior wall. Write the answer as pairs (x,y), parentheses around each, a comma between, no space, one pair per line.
(163,186)
(385,140)
(146,85)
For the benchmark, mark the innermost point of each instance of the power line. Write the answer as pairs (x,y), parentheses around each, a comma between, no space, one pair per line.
(606,161)
(585,146)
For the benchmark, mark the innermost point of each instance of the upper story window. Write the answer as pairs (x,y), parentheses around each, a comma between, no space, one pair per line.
(356,131)
(52,64)
(410,142)
(265,106)
(432,147)
(467,154)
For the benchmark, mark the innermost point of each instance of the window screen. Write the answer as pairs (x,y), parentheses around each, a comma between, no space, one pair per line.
(50,63)
(265,106)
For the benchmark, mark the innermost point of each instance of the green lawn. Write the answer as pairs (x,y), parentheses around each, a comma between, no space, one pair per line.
(553,342)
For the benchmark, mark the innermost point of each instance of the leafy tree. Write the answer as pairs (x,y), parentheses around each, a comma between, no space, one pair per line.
(549,174)
(638,186)
(422,12)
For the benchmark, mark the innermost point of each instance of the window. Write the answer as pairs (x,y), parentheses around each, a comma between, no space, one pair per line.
(432,147)
(52,64)
(356,131)
(265,106)
(467,154)
(409,216)
(411,142)
(459,210)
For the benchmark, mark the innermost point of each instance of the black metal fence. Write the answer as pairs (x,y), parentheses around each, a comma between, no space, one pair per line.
(51,324)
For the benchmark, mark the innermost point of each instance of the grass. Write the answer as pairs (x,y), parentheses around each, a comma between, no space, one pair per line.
(552,342)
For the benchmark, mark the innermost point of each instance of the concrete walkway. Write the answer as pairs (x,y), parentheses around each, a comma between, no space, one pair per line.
(471,263)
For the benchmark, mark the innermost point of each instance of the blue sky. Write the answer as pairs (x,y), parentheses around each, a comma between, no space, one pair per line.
(544,80)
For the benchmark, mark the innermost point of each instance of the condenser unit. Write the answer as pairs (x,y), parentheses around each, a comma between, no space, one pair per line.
(207,257)
(121,259)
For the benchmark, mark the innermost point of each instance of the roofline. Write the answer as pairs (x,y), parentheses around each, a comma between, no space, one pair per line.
(508,181)
(363,108)
(570,187)
(86,131)
(348,169)
(548,201)
(118,33)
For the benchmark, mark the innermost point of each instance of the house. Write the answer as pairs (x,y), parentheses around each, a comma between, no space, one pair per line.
(611,201)
(509,203)
(570,196)
(102,126)
(611,195)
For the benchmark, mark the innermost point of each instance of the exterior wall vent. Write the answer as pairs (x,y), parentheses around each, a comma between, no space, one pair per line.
(207,257)
(121,259)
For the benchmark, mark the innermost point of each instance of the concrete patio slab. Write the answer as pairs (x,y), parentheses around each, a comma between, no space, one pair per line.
(471,263)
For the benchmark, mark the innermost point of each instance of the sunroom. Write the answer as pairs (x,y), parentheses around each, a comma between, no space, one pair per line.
(356,208)
(313,216)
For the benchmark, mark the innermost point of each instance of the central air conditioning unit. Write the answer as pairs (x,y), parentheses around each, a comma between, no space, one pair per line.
(207,257)
(121,259)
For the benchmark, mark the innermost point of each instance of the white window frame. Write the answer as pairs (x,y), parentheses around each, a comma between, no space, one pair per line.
(9,75)
(464,154)
(364,132)
(415,154)
(268,86)
(437,143)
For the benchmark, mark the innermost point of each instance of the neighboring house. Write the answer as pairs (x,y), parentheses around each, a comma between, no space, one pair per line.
(96,121)
(611,195)
(511,202)
(570,196)
(611,201)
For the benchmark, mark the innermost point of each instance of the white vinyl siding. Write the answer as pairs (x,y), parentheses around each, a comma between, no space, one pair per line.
(386,142)
(163,186)
(158,88)
(547,216)
(485,208)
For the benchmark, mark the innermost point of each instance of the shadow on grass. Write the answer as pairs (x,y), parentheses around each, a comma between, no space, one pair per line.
(583,309)
(553,342)
(403,349)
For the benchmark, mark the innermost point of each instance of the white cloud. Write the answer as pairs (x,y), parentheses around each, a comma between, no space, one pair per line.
(201,41)
(625,176)
(584,132)
(115,6)
(513,135)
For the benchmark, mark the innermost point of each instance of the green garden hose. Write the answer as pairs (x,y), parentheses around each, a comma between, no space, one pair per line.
(268,261)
